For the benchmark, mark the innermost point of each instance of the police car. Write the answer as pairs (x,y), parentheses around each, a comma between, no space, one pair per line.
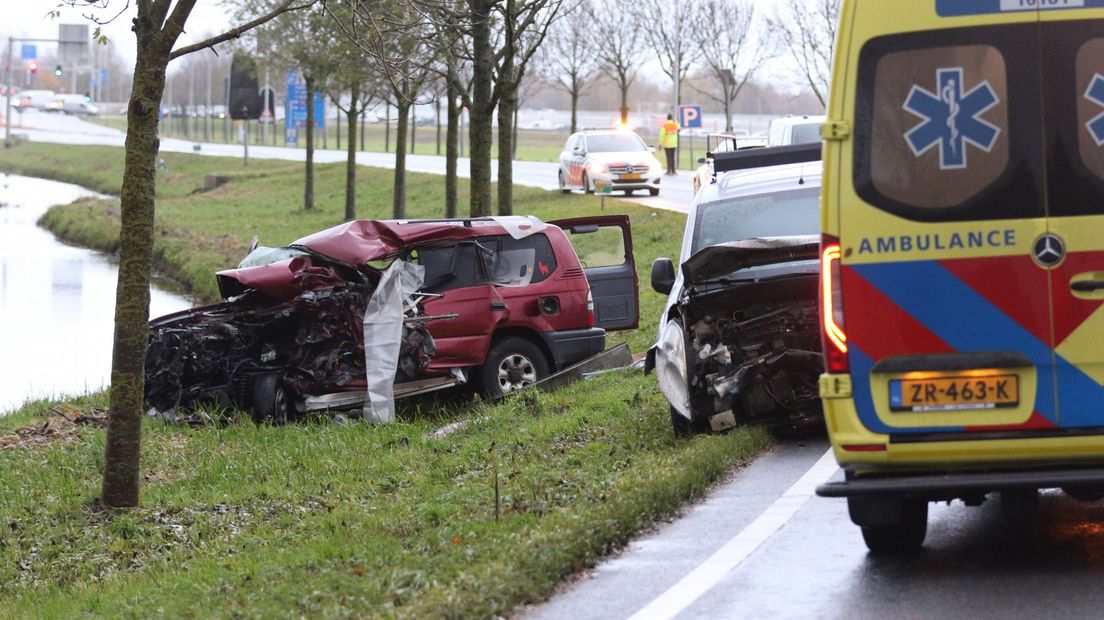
(962,257)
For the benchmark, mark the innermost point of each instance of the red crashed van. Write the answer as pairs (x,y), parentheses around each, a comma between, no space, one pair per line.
(505,301)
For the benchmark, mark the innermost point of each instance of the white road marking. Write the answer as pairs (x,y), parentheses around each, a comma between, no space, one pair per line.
(698,581)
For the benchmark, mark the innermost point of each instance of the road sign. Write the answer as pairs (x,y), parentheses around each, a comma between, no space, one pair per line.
(98,78)
(296,107)
(28,51)
(690,116)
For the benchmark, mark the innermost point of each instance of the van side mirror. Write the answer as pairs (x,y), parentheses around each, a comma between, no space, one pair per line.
(663,275)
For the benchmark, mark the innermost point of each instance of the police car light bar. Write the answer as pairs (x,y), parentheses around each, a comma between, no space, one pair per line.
(759,158)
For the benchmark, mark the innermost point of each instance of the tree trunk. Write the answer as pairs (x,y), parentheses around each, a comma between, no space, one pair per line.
(413,128)
(506,103)
(387,128)
(398,204)
(624,102)
(482,109)
(452,145)
(575,106)
(308,187)
(350,161)
(728,114)
(128,359)
(514,137)
(438,123)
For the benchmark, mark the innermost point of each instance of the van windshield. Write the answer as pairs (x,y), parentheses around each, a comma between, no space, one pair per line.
(780,214)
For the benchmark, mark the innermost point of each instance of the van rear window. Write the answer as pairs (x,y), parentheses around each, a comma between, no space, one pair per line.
(947,124)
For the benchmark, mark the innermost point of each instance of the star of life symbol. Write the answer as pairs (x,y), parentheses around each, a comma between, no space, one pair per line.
(952,119)
(1095,94)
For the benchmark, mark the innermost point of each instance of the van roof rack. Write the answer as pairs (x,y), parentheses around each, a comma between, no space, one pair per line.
(726,161)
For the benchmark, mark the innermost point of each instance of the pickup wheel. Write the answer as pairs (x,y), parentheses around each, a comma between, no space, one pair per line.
(512,364)
(270,401)
(686,428)
(905,536)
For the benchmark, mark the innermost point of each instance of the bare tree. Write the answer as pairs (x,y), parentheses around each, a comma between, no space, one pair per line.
(618,47)
(156,28)
(525,24)
(733,52)
(808,30)
(672,34)
(567,58)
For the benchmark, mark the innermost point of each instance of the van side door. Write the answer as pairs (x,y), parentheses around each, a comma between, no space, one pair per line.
(1072,253)
(603,244)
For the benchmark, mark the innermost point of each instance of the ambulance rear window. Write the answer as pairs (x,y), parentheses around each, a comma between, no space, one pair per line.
(946,124)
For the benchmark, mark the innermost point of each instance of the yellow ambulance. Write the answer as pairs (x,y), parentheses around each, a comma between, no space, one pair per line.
(962,258)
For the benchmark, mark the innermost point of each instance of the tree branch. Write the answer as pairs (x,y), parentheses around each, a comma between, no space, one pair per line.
(285,7)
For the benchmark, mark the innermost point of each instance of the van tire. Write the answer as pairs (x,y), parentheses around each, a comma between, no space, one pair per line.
(271,402)
(512,364)
(586,184)
(653,191)
(563,186)
(905,536)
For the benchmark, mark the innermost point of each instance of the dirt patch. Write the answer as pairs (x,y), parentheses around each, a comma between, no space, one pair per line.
(64,427)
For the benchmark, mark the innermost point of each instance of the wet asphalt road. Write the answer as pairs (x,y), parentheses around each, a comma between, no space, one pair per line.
(976,562)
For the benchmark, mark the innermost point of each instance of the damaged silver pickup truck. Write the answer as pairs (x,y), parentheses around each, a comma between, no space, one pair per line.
(739,338)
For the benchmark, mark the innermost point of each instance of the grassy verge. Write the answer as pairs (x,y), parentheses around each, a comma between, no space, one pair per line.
(199,233)
(323,521)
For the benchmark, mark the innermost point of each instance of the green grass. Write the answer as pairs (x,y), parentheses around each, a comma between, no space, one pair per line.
(325,521)
(200,233)
(319,520)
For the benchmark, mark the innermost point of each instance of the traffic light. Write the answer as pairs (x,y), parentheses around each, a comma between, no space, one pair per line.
(33,66)
(57,70)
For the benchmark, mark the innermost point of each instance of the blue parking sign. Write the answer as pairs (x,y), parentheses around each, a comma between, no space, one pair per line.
(28,51)
(690,116)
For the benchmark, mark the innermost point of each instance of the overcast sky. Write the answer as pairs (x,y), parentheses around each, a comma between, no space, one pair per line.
(30,18)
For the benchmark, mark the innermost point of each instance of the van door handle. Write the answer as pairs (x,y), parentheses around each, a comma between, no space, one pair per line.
(1088,285)
(498,306)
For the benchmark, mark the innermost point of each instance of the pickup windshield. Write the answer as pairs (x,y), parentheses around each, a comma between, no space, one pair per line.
(781,214)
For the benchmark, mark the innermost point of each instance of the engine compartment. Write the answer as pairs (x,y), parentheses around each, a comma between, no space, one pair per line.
(759,360)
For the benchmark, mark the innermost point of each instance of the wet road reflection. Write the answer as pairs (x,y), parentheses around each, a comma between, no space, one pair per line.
(57,302)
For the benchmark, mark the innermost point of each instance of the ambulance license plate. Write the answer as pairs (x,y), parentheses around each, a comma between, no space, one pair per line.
(949,393)
(630,176)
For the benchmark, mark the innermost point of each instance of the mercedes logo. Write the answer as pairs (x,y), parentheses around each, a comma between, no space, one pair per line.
(1049,250)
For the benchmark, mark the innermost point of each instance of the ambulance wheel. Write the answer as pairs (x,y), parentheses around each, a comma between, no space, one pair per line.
(629,192)
(906,535)
(270,401)
(654,191)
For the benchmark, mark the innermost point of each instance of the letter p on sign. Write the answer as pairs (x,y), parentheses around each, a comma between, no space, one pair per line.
(690,116)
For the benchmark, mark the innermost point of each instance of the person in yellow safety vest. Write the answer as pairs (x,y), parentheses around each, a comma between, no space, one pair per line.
(668,140)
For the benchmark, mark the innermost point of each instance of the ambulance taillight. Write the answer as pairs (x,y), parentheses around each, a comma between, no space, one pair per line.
(831,306)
